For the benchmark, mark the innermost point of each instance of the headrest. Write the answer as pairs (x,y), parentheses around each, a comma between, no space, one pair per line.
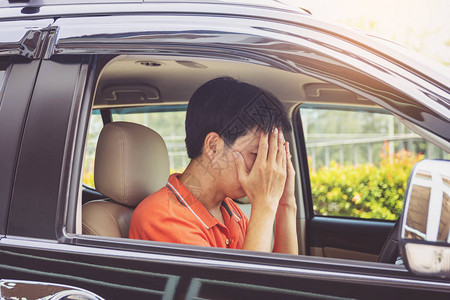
(131,162)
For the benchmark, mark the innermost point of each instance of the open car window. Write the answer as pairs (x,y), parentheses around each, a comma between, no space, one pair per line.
(359,155)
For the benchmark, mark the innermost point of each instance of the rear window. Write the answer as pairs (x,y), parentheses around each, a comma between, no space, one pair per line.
(360,160)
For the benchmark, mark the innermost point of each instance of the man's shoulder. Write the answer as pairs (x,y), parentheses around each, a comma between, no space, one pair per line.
(158,198)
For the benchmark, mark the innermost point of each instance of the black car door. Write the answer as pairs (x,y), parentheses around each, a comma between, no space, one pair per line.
(42,242)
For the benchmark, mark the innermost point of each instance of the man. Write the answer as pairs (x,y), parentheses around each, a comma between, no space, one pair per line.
(235,140)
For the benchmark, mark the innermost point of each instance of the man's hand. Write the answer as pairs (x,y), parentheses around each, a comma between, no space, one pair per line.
(265,182)
(264,185)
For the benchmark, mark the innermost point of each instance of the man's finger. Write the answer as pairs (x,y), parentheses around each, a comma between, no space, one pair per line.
(289,157)
(281,153)
(284,162)
(273,145)
(240,165)
(262,148)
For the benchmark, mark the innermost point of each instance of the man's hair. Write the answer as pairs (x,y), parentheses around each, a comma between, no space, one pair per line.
(231,109)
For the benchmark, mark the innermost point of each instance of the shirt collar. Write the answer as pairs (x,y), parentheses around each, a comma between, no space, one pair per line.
(190,201)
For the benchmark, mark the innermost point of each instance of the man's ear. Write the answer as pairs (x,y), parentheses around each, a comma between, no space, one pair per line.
(211,145)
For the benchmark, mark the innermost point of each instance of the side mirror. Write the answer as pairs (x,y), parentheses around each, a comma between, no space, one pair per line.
(424,232)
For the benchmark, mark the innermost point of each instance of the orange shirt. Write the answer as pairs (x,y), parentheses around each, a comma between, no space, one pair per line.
(174,215)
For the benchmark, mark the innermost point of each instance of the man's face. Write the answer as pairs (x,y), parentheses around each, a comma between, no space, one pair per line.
(227,176)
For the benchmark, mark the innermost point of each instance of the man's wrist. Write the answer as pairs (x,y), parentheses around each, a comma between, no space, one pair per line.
(288,207)
(266,205)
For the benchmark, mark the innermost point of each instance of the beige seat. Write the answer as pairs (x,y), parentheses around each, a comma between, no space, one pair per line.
(131,162)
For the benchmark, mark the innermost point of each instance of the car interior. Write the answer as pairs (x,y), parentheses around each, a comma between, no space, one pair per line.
(130,159)
(132,162)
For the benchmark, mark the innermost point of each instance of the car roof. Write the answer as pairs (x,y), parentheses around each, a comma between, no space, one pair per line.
(274,4)
(285,11)
(278,12)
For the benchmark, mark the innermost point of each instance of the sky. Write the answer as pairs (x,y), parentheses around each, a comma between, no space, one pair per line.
(422,25)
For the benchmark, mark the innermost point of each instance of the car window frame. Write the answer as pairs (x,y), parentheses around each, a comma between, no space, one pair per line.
(84,47)
(304,177)
(164,248)
(71,44)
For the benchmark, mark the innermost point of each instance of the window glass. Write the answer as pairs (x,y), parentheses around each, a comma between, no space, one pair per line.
(360,160)
(95,126)
(168,122)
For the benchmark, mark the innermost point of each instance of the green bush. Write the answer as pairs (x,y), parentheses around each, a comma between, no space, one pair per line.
(363,191)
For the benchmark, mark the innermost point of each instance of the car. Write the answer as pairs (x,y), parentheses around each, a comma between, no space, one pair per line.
(363,112)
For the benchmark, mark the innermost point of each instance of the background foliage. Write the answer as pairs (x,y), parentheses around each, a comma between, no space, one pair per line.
(363,191)
(421,26)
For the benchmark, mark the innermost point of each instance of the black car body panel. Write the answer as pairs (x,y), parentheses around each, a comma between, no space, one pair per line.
(15,100)
(127,274)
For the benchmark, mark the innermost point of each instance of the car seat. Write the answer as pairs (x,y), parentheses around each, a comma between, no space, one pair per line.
(131,162)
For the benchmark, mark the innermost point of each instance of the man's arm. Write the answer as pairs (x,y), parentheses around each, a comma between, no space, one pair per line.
(286,230)
(286,227)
